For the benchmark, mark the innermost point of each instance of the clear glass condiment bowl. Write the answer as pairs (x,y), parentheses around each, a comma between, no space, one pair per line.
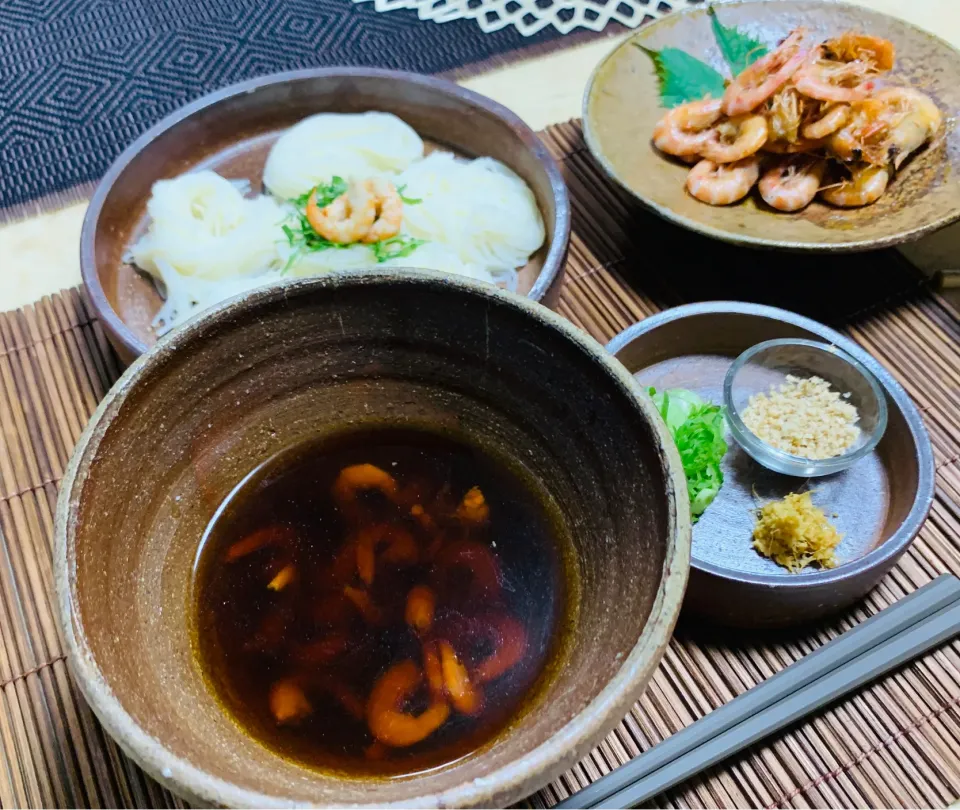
(768,364)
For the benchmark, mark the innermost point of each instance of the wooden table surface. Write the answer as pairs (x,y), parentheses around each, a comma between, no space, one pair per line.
(40,255)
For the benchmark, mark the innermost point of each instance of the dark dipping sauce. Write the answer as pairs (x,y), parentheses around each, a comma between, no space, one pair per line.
(313,591)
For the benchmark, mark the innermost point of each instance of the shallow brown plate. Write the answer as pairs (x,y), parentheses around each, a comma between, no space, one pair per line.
(879,503)
(231,131)
(622,105)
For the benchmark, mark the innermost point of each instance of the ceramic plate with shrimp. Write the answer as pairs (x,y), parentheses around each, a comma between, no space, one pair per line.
(801,125)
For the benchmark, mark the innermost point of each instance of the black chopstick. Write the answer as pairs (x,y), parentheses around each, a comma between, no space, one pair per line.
(903,647)
(887,624)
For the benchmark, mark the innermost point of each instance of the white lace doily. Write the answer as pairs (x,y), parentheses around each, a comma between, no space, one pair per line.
(531,16)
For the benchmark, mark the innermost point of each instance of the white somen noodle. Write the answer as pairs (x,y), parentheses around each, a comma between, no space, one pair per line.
(201,225)
(209,239)
(185,296)
(335,144)
(479,207)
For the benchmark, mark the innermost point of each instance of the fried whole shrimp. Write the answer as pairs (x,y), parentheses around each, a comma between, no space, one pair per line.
(736,139)
(281,571)
(865,186)
(887,128)
(850,46)
(385,716)
(509,640)
(399,547)
(834,81)
(844,69)
(388,211)
(490,644)
(861,138)
(288,703)
(792,184)
(364,604)
(723,183)
(684,130)
(348,218)
(364,476)
(833,118)
(357,478)
(766,76)
(282,578)
(466,698)
(920,122)
(473,508)
(419,609)
(784,112)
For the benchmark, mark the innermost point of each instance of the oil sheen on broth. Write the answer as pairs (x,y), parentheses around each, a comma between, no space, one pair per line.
(380,602)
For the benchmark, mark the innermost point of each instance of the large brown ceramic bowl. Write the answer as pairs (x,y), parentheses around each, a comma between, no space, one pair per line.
(231,131)
(211,401)
(622,105)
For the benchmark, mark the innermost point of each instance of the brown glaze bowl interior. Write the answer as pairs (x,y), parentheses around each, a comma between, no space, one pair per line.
(878,504)
(231,132)
(622,105)
(210,402)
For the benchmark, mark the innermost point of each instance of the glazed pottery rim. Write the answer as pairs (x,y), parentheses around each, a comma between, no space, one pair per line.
(549,758)
(747,240)
(552,263)
(893,546)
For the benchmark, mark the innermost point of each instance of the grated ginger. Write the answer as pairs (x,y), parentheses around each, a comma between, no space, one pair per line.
(795,533)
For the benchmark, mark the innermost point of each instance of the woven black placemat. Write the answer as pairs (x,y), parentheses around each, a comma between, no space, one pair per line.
(80,79)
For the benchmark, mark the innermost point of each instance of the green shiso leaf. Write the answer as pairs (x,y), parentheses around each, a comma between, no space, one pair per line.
(739,49)
(683,77)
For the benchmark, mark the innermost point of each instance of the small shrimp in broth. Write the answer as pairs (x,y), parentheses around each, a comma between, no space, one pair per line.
(382,602)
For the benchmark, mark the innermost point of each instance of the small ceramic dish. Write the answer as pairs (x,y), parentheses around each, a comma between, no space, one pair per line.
(231,131)
(878,504)
(297,361)
(622,105)
(768,364)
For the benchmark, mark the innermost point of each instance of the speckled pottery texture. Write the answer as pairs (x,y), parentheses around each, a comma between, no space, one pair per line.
(212,400)
(622,105)
(878,504)
(231,132)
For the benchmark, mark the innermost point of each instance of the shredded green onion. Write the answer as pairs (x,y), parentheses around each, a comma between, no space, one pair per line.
(408,200)
(697,428)
(395,248)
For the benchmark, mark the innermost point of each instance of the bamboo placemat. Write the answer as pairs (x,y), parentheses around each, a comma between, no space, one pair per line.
(894,744)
